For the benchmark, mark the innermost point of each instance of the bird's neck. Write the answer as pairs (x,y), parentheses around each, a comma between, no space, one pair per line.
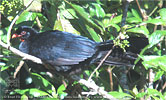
(24,46)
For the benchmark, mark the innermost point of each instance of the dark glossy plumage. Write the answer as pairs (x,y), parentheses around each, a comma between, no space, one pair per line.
(66,51)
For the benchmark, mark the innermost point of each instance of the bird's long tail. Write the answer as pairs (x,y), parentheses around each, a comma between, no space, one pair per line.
(118,57)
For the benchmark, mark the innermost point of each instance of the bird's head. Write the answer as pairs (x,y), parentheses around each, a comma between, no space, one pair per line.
(24,33)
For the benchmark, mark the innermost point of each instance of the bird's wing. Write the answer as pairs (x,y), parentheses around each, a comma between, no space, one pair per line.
(63,48)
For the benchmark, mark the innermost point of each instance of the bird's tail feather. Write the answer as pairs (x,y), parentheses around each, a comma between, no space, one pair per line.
(124,59)
(118,57)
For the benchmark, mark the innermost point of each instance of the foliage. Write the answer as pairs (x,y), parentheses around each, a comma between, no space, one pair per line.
(98,20)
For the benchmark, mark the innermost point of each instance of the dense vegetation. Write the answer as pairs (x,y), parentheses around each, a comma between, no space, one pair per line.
(98,20)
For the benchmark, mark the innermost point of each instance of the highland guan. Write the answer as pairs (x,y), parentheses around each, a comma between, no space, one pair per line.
(67,52)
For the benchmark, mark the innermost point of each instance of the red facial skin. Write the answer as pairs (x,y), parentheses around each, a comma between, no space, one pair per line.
(16,36)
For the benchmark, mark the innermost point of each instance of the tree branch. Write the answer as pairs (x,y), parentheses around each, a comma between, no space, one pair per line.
(21,54)
(92,85)
(95,88)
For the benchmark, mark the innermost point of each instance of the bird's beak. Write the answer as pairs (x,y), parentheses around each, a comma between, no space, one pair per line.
(15,36)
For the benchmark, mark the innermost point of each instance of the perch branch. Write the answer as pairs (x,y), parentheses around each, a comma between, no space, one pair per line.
(21,54)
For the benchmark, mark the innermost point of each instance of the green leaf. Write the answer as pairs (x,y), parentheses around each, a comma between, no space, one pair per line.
(35,6)
(120,89)
(154,61)
(3,34)
(85,16)
(163,14)
(34,92)
(26,16)
(4,68)
(93,34)
(155,37)
(61,89)
(115,26)
(116,19)
(106,19)
(24,97)
(61,92)
(140,95)
(37,92)
(158,75)
(155,21)
(58,25)
(69,14)
(45,82)
(119,94)
(141,30)
(154,92)
(135,90)
(96,10)
(21,92)
(42,82)
(133,20)
(164,94)
(54,92)
(156,98)
(135,14)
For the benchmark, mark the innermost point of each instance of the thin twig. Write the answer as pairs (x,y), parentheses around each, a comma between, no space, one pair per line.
(102,61)
(18,68)
(143,13)
(163,87)
(14,20)
(109,70)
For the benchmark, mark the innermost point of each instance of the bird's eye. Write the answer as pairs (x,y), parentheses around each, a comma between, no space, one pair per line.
(23,32)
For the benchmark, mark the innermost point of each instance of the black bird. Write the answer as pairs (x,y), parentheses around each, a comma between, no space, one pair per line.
(70,53)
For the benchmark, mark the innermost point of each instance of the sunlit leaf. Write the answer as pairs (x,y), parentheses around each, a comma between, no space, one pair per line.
(154,92)
(26,16)
(96,10)
(158,75)
(70,14)
(93,34)
(24,97)
(34,92)
(35,6)
(155,37)
(61,89)
(133,20)
(44,81)
(141,30)
(116,19)
(58,25)
(37,92)
(163,14)
(21,92)
(119,94)
(61,92)
(140,95)
(81,11)
(154,61)
(136,14)
(155,21)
